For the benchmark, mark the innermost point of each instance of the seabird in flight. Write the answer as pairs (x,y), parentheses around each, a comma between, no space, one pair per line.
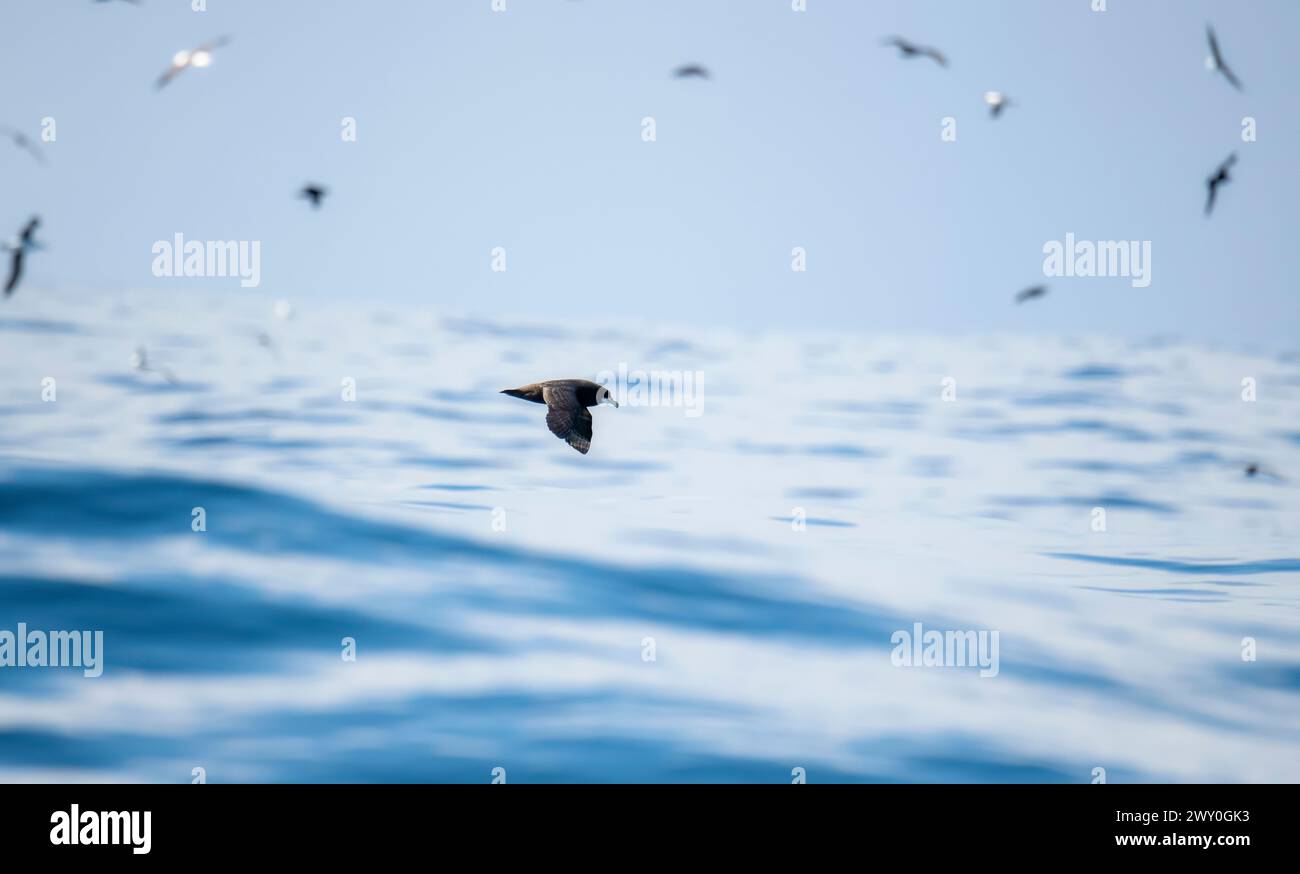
(566,402)
(21,141)
(1215,60)
(911,50)
(686,71)
(1255,469)
(1220,176)
(199,57)
(997,102)
(25,243)
(314,193)
(1031,293)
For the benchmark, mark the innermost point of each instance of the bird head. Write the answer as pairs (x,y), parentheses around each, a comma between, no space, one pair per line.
(604,396)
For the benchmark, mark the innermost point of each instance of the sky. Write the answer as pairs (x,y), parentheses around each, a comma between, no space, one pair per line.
(522,129)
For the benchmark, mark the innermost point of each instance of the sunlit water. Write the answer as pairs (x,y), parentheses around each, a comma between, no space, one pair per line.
(529,648)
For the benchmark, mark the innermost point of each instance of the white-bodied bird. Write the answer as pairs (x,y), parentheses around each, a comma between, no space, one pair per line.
(184,59)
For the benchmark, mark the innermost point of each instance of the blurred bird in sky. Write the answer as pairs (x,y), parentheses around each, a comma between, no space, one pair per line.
(22,141)
(1031,293)
(18,249)
(1215,62)
(688,71)
(1220,176)
(911,50)
(184,59)
(997,102)
(313,192)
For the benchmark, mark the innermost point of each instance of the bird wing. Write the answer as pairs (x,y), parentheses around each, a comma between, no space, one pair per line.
(1230,76)
(31,149)
(1220,64)
(170,74)
(1214,46)
(567,419)
(213,44)
(938,57)
(15,270)
(1029,293)
(1209,200)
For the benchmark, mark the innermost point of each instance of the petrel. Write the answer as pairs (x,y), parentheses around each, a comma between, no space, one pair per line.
(1255,469)
(314,193)
(1031,293)
(566,402)
(1215,60)
(1220,176)
(199,57)
(25,243)
(997,102)
(21,140)
(687,71)
(911,50)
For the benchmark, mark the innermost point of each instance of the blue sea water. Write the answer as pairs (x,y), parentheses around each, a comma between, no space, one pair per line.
(702,597)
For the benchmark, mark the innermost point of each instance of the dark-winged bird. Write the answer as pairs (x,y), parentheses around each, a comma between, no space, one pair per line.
(1255,469)
(21,141)
(17,252)
(1031,293)
(912,50)
(566,402)
(1220,176)
(184,59)
(314,193)
(1215,60)
(687,71)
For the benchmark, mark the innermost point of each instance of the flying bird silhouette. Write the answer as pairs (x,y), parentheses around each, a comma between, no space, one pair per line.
(18,250)
(1255,469)
(908,49)
(21,140)
(199,57)
(1215,60)
(687,71)
(566,402)
(997,102)
(1031,293)
(140,361)
(314,193)
(1220,176)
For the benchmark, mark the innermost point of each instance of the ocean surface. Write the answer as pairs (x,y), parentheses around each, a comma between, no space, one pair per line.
(710,594)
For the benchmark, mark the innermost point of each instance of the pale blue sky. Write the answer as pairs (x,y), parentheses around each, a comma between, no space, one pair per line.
(522,129)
